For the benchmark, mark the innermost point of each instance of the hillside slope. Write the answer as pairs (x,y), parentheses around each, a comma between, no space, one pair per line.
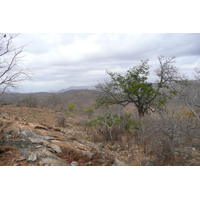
(25,143)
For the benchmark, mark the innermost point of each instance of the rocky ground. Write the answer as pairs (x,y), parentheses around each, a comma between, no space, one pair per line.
(36,140)
(25,143)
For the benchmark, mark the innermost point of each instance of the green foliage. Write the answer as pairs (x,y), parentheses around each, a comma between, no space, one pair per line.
(133,87)
(129,124)
(105,120)
(69,114)
(173,92)
(71,107)
(112,125)
(89,112)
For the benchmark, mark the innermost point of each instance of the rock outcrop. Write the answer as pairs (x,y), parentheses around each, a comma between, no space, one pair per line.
(33,144)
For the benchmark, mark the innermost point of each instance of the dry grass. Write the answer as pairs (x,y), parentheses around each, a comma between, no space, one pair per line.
(8,155)
(131,153)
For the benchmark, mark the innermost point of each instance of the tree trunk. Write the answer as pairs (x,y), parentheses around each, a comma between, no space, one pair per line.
(141,114)
(140,111)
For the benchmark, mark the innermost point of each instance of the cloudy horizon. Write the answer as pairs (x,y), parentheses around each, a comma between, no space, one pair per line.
(58,61)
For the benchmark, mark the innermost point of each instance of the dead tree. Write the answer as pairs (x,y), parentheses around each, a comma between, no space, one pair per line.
(10,59)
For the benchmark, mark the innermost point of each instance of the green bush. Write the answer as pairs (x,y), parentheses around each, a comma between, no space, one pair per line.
(89,112)
(71,107)
(111,126)
(69,114)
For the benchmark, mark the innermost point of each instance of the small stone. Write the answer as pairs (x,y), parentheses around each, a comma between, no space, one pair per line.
(46,137)
(119,163)
(74,163)
(89,154)
(40,163)
(32,157)
(38,146)
(55,147)
(21,158)
(150,163)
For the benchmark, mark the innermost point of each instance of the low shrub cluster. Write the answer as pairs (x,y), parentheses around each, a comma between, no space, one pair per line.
(111,126)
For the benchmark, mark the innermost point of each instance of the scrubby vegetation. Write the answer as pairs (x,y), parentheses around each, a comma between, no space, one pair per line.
(112,126)
(145,123)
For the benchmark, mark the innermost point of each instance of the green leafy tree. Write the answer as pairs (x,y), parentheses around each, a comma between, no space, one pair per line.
(133,87)
(71,107)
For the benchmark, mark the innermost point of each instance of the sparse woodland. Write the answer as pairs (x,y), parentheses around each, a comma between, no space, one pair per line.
(166,133)
(145,123)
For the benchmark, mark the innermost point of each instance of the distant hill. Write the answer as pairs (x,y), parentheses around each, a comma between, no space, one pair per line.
(79,97)
(74,88)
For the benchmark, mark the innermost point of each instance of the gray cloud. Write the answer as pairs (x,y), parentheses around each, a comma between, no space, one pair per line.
(62,60)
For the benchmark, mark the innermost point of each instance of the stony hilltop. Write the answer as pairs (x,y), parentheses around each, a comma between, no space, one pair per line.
(24,143)
(33,137)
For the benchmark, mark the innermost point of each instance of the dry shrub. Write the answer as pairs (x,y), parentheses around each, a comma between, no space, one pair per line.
(82,121)
(110,127)
(61,120)
(163,134)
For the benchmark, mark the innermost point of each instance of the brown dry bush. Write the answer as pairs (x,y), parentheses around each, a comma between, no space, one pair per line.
(61,120)
(110,127)
(164,133)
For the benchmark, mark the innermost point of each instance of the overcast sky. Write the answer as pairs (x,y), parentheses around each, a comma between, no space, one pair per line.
(58,61)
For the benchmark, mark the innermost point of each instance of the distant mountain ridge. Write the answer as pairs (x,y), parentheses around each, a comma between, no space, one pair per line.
(74,88)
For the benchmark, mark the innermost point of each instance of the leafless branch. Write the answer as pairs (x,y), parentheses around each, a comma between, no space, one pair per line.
(10,59)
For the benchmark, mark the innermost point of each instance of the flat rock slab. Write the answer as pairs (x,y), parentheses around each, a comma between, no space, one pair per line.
(38,140)
(32,134)
(44,152)
(29,134)
(53,162)
(22,144)
(47,137)
(55,147)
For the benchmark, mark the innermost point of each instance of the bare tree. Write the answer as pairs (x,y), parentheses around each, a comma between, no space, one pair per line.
(53,101)
(31,101)
(10,58)
(189,92)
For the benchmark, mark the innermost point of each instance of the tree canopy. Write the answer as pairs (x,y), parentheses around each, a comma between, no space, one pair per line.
(133,87)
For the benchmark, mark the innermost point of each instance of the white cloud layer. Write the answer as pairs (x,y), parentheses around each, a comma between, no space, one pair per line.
(62,60)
